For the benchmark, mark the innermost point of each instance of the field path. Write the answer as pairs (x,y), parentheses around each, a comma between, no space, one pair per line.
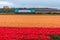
(49,21)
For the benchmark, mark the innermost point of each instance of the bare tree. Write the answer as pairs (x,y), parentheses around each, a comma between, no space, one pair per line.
(7,9)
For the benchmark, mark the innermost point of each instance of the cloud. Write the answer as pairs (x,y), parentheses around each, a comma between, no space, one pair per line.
(37,3)
(31,3)
(5,3)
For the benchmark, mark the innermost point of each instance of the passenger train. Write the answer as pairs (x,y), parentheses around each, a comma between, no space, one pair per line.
(30,11)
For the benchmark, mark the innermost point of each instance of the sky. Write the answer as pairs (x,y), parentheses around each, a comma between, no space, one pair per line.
(31,3)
